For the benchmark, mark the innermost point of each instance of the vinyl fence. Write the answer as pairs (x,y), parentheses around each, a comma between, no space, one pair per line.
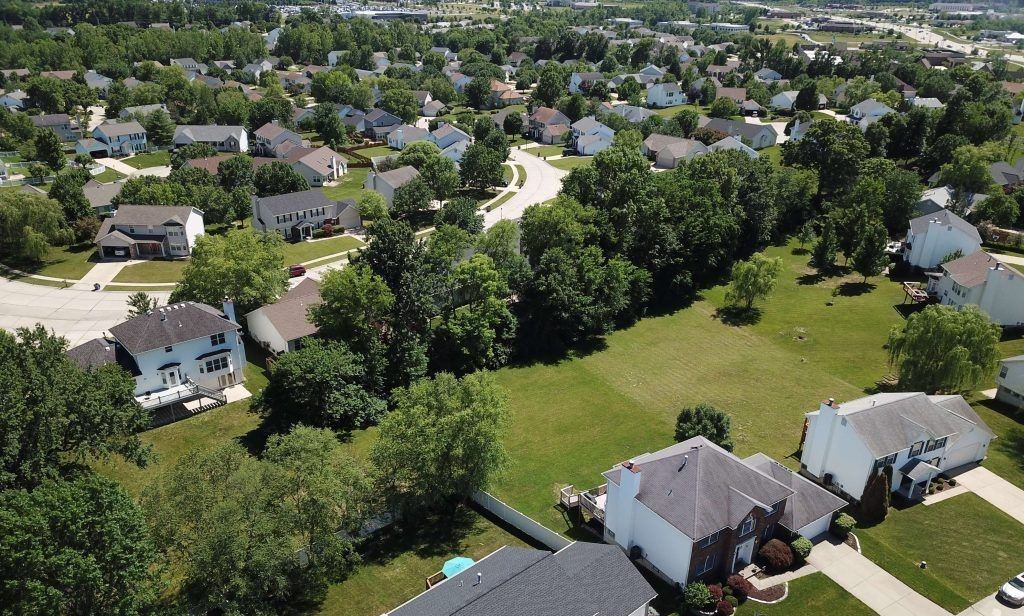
(520,521)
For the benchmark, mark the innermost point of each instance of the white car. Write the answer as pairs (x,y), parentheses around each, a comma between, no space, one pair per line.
(1013,591)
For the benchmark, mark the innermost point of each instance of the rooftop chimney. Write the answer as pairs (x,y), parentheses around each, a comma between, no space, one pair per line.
(229,309)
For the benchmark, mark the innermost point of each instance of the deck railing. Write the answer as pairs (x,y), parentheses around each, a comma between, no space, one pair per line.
(189,390)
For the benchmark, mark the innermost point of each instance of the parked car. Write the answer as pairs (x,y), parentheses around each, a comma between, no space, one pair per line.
(296,270)
(1013,591)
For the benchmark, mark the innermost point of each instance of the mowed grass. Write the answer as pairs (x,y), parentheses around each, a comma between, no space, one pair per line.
(1005,453)
(70,262)
(575,418)
(570,162)
(302,252)
(350,186)
(971,548)
(109,175)
(155,270)
(150,159)
(546,150)
(812,594)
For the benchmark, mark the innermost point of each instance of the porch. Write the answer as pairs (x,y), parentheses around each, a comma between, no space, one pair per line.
(915,476)
(181,401)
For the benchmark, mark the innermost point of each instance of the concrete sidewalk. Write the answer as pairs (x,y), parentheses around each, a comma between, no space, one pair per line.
(865,580)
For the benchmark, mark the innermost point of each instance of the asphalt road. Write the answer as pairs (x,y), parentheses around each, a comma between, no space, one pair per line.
(542,184)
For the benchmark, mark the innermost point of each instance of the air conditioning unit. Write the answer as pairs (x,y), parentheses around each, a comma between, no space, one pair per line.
(827,479)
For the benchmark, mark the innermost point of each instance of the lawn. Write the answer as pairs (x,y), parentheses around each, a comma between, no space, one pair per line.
(302,252)
(155,270)
(522,175)
(773,153)
(546,150)
(570,162)
(506,173)
(70,262)
(497,203)
(151,159)
(350,186)
(1006,452)
(109,175)
(812,594)
(378,150)
(966,561)
(669,112)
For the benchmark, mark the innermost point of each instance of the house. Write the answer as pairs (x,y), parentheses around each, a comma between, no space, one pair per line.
(18,99)
(767,75)
(732,143)
(757,136)
(282,326)
(274,140)
(718,71)
(555,134)
(148,231)
(786,101)
(297,215)
(665,95)
(544,117)
(736,95)
(318,166)
(459,81)
(447,53)
(189,64)
(516,58)
(927,103)
(985,281)
(456,151)
(388,182)
(656,142)
(580,83)
(694,93)
(433,109)
(101,196)
(911,435)
(503,95)
(1005,175)
(868,110)
(752,108)
(141,110)
(932,237)
(121,138)
(581,578)
(422,97)
(97,82)
(695,511)
(62,75)
(937,199)
(176,353)
(221,138)
(61,123)
(1010,382)
(589,145)
(679,150)
(632,113)
(404,134)
(333,57)
(589,126)
(376,123)
(447,134)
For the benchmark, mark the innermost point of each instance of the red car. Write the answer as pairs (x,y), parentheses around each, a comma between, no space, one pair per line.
(296,270)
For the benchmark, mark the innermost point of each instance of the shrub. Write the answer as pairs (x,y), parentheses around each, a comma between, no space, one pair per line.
(328,229)
(733,601)
(801,547)
(776,555)
(716,592)
(724,608)
(952,483)
(696,595)
(741,586)
(843,524)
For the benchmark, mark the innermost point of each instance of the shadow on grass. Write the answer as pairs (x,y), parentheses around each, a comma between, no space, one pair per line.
(1011,442)
(812,278)
(853,289)
(738,316)
(798,251)
(905,310)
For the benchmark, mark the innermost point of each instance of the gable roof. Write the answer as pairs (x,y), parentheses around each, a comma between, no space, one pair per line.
(809,502)
(294,202)
(99,194)
(290,314)
(655,142)
(972,270)
(399,177)
(170,325)
(319,159)
(699,488)
(117,129)
(733,128)
(547,115)
(922,224)
(145,216)
(208,132)
(101,351)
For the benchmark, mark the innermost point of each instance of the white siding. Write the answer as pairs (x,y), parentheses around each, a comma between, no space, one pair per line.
(663,545)
(843,455)
(816,527)
(264,333)
(185,354)
(927,249)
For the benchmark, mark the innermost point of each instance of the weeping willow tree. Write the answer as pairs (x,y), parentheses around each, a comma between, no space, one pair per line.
(944,350)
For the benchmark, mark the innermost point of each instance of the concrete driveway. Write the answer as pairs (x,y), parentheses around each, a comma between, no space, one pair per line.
(542,184)
(996,490)
(990,606)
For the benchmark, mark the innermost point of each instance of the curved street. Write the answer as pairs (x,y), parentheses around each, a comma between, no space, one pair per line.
(543,182)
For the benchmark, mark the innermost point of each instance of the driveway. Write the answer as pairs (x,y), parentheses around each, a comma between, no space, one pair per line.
(990,606)
(874,586)
(542,184)
(132,172)
(996,490)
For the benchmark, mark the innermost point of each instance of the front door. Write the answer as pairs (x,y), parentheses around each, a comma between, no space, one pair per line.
(743,555)
(172,378)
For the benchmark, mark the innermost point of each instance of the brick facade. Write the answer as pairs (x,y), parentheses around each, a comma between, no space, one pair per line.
(726,545)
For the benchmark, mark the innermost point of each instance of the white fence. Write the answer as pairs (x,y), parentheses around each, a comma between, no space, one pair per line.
(520,521)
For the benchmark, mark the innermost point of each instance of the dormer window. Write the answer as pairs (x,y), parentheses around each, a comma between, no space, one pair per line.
(917,448)
(748,526)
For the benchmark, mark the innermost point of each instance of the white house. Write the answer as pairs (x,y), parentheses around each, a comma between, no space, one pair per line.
(318,166)
(405,134)
(221,138)
(388,182)
(581,578)
(18,99)
(297,215)
(276,141)
(589,145)
(447,135)
(695,511)
(983,280)
(148,231)
(121,138)
(869,109)
(590,127)
(1010,382)
(732,143)
(917,435)
(934,236)
(282,326)
(176,353)
(939,198)
(665,95)
(786,101)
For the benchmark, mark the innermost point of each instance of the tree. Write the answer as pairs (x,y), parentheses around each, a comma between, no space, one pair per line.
(807,98)
(244,265)
(159,127)
(372,206)
(443,441)
(513,123)
(942,349)
(628,88)
(688,121)
(50,149)
(552,84)
(234,524)
(999,208)
(723,107)
(441,175)
(481,167)
(874,502)
(400,102)
(277,178)
(833,149)
(75,547)
(191,151)
(417,153)
(236,172)
(807,234)
(56,415)
(461,212)
(707,421)
(67,191)
(412,197)
(869,258)
(319,385)
(478,92)
(824,255)
(140,303)
(753,279)
(968,171)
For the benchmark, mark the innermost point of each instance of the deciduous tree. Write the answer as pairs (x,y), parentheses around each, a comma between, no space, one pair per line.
(754,279)
(707,421)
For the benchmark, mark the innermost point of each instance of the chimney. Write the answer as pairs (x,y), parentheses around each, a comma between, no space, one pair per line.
(819,434)
(229,309)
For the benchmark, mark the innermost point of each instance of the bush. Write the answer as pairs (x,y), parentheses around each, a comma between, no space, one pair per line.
(724,608)
(733,601)
(776,555)
(697,595)
(741,586)
(801,547)
(843,524)
(717,594)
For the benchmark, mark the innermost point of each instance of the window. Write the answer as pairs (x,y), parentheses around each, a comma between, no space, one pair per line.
(217,339)
(1003,371)
(930,446)
(939,444)
(167,349)
(214,365)
(768,532)
(747,527)
(917,448)
(710,539)
(707,564)
(775,508)
(886,461)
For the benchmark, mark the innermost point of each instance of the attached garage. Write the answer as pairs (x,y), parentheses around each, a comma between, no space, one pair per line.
(809,510)
(967,454)
(815,528)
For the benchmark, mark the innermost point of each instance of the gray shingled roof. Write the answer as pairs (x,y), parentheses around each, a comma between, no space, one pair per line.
(99,352)
(920,224)
(294,202)
(116,129)
(99,194)
(208,132)
(699,488)
(145,216)
(973,270)
(733,128)
(583,579)
(891,422)
(809,502)
(170,325)
(397,178)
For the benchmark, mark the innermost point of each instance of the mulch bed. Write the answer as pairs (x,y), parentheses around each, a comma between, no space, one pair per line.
(769,594)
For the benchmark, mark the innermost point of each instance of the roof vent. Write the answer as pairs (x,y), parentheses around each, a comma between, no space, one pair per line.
(683,465)
(163,317)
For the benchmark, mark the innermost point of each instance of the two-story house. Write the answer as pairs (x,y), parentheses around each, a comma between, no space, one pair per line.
(377,123)
(932,237)
(1010,382)
(121,138)
(696,511)
(590,136)
(546,117)
(757,136)
(221,138)
(297,215)
(61,123)
(176,353)
(580,83)
(665,95)
(913,435)
(318,166)
(982,280)
(148,231)
(388,182)
(276,141)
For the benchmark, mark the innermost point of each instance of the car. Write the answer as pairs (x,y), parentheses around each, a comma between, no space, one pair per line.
(1013,591)
(296,270)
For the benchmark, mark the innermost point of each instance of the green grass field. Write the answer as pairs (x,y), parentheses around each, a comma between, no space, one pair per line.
(151,159)
(301,252)
(570,162)
(109,175)
(546,150)
(774,154)
(966,561)
(668,112)
(350,186)
(812,594)
(379,150)
(61,262)
(152,271)
(1006,453)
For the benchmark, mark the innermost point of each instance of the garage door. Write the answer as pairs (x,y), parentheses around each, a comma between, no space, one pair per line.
(963,455)
(816,527)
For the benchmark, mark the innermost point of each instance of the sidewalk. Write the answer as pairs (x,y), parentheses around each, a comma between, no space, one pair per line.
(996,490)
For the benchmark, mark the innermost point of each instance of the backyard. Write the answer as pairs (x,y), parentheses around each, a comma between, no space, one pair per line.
(151,159)
(350,186)
(109,175)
